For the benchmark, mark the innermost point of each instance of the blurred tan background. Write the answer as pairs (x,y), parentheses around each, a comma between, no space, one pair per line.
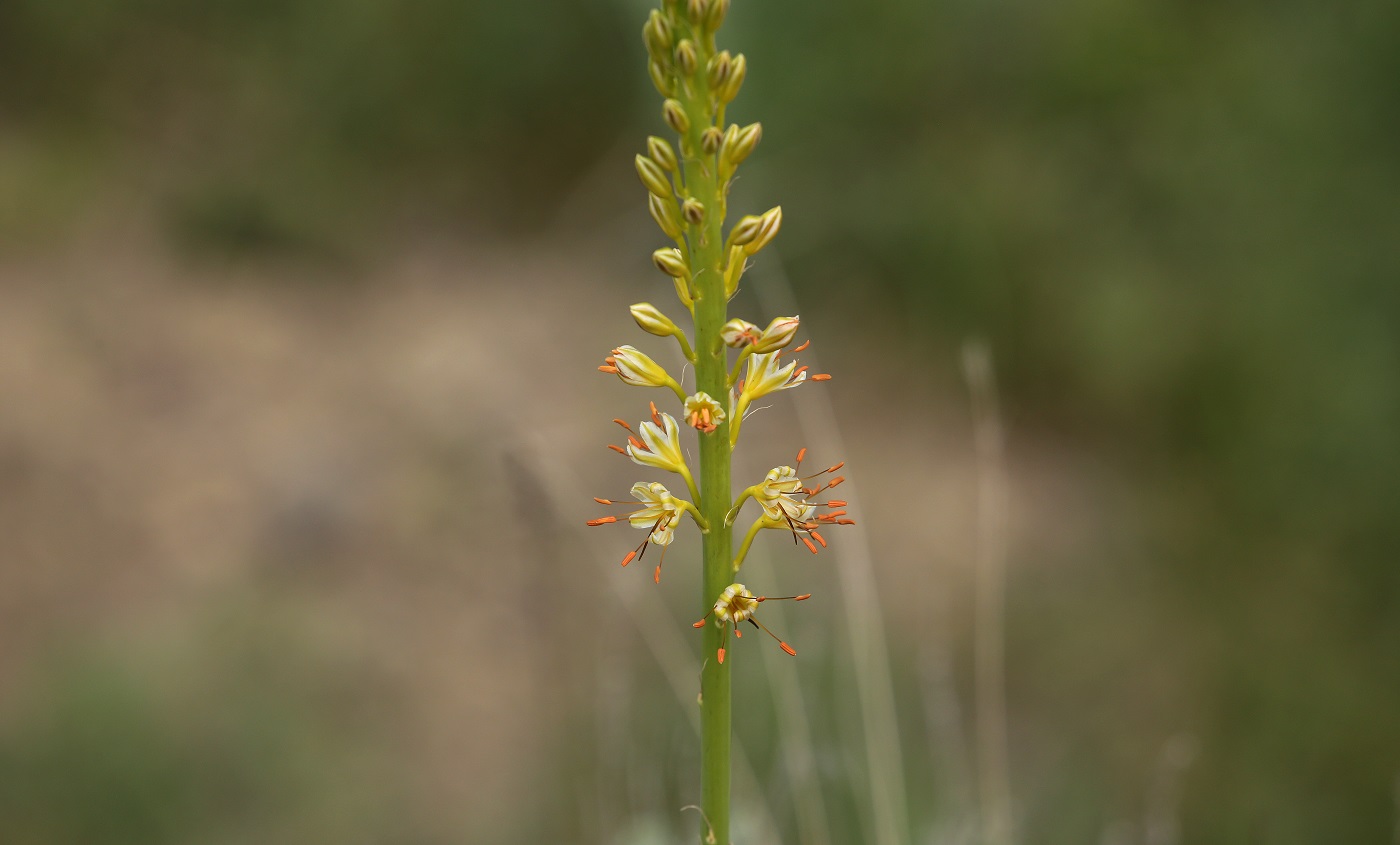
(300,304)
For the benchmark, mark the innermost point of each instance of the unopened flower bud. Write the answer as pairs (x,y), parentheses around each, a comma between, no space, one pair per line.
(693,211)
(686,58)
(657,36)
(636,368)
(778,334)
(662,153)
(659,78)
(739,68)
(683,291)
(738,145)
(669,261)
(737,333)
(697,11)
(771,222)
(653,177)
(719,69)
(746,229)
(652,321)
(675,116)
(711,140)
(718,10)
(663,211)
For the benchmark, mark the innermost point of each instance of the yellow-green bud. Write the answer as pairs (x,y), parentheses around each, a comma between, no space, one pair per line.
(683,291)
(745,230)
(663,211)
(669,261)
(778,334)
(771,222)
(653,177)
(674,114)
(659,78)
(710,140)
(718,69)
(734,270)
(661,152)
(718,9)
(738,69)
(738,145)
(657,36)
(737,333)
(653,321)
(693,211)
(686,58)
(697,10)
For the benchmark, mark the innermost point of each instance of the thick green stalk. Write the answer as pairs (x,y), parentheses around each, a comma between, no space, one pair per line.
(711,376)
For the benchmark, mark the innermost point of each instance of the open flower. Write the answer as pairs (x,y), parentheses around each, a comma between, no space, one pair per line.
(702,412)
(660,446)
(788,504)
(766,374)
(782,496)
(736,605)
(658,515)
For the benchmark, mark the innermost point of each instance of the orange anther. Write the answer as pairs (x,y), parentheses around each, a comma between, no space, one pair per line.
(617,449)
(801,453)
(601,501)
(803,597)
(721,657)
(657,576)
(808,543)
(822,377)
(636,444)
(655,417)
(623,424)
(705,415)
(800,370)
(836,503)
(738,633)
(835,481)
(699,624)
(605,368)
(805,344)
(785,647)
(819,539)
(834,514)
(835,468)
(602,520)
(845,522)
(629,557)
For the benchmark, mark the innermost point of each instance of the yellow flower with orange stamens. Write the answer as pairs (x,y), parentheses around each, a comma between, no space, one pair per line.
(736,605)
(637,368)
(787,505)
(778,334)
(658,515)
(703,413)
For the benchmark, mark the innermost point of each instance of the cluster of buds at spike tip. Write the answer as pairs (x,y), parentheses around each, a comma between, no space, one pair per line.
(658,514)
(735,606)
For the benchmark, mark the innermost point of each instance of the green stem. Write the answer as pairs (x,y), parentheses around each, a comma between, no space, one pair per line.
(748,541)
(711,376)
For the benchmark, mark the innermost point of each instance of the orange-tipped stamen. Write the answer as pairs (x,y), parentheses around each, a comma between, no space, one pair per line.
(808,543)
(785,647)
(845,522)
(835,467)
(801,453)
(836,503)
(721,657)
(602,520)
(636,444)
(835,481)
(738,633)
(630,555)
(617,449)
(655,417)
(821,377)
(799,371)
(606,368)
(699,624)
(805,344)
(602,501)
(818,538)
(802,597)
(623,424)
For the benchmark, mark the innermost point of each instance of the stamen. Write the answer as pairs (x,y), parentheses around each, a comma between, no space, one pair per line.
(808,543)
(721,657)
(738,633)
(701,623)
(818,538)
(630,555)
(602,520)
(805,344)
(655,417)
(835,481)
(636,444)
(617,449)
(610,359)
(607,369)
(785,647)
(821,377)
(799,371)
(623,424)
(836,503)
(836,467)
(603,501)
(801,453)
(845,522)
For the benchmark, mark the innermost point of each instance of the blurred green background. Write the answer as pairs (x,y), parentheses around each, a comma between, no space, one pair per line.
(295,298)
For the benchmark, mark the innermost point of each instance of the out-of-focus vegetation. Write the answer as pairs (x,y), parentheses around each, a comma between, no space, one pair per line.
(1177,222)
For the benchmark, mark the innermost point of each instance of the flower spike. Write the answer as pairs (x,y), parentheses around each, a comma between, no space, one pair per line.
(737,604)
